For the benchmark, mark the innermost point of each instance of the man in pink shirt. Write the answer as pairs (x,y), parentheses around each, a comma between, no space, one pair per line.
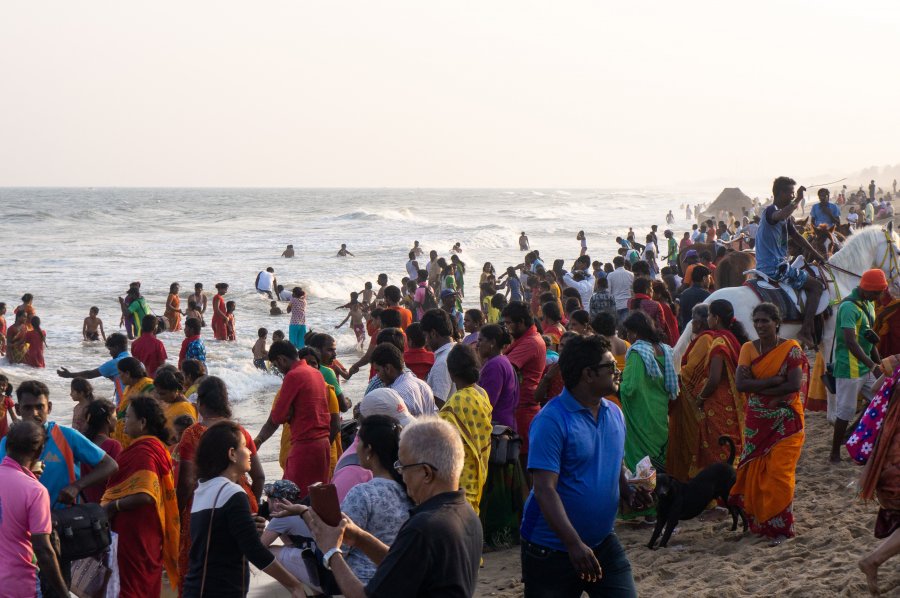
(528,354)
(148,349)
(25,518)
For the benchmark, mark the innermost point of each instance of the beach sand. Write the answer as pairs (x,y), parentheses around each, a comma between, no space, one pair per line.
(834,530)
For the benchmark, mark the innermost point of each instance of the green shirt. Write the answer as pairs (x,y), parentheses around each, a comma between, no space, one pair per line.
(331,378)
(849,315)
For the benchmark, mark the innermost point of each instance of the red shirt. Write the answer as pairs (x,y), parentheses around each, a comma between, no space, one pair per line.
(150,351)
(528,354)
(405,315)
(419,361)
(303,404)
(184,346)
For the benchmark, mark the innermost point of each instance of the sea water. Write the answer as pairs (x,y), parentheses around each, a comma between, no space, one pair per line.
(77,248)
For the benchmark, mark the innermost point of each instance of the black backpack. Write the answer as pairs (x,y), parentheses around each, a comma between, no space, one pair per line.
(429,302)
(80,531)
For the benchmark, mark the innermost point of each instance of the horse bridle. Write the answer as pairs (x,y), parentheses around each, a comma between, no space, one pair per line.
(889,257)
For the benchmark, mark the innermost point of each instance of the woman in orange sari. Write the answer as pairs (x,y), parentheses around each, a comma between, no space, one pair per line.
(134,377)
(140,502)
(173,308)
(26,308)
(684,416)
(774,372)
(213,406)
(721,405)
(220,313)
(881,481)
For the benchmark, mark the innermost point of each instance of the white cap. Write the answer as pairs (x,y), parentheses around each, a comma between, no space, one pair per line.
(385,401)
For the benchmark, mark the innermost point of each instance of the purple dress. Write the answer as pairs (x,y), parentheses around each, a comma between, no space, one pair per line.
(498,379)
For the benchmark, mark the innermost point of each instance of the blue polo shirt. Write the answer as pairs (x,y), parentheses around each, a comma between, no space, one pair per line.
(819,214)
(587,455)
(110,370)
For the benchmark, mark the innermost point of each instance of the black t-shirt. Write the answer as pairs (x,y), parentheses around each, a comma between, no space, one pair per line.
(691,296)
(436,554)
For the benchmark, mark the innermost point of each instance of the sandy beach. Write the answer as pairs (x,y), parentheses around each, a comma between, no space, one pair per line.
(705,559)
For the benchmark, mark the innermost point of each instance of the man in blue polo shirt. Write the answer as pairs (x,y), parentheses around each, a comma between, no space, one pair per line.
(117,345)
(825,212)
(578,442)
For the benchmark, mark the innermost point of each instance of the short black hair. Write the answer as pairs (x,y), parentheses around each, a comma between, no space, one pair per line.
(24,438)
(149,323)
(551,311)
(284,348)
(604,323)
(462,363)
(581,316)
(35,388)
(579,353)
(212,451)
(618,261)
(390,318)
(387,354)
(117,340)
(193,324)
(212,395)
(699,273)
(781,184)
(193,368)
(641,285)
(319,340)
(393,336)
(437,321)
(392,294)
(415,338)
(518,312)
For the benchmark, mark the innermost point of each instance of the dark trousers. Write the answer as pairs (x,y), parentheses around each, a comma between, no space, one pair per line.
(548,573)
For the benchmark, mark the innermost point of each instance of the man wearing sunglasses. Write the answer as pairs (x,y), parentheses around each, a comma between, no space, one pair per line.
(577,446)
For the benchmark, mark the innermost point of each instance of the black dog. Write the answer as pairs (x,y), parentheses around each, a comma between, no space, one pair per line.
(679,501)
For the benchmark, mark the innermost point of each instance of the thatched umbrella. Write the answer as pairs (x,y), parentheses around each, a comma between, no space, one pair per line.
(731,199)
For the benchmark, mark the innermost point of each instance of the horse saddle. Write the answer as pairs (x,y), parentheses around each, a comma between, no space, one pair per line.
(783,295)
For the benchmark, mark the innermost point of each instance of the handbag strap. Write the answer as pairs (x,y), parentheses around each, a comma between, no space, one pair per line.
(208,536)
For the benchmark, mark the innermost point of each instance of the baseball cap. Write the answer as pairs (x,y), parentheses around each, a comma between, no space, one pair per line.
(385,401)
(448,293)
(691,253)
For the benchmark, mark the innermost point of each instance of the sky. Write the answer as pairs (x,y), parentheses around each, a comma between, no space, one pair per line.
(434,93)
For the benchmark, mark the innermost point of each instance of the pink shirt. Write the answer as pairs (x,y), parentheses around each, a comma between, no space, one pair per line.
(351,475)
(25,511)
(528,354)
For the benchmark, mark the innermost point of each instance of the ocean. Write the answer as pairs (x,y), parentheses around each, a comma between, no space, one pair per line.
(77,248)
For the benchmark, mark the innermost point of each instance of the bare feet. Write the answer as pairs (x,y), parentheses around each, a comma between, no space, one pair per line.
(871,572)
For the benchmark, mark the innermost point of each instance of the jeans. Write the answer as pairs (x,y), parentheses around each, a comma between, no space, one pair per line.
(548,573)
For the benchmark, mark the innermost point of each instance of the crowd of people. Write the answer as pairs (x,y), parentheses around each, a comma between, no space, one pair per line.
(575,367)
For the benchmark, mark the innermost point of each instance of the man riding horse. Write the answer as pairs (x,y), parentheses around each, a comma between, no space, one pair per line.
(775,227)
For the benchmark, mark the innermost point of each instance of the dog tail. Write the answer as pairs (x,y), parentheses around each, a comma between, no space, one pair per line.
(727,440)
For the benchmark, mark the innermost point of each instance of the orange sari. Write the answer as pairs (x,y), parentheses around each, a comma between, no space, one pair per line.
(142,386)
(173,314)
(773,441)
(149,535)
(723,412)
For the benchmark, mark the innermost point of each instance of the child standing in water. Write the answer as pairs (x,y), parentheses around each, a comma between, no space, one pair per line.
(37,340)
(2,329)
(6,405)
(82,393)
(368,294)
(193,311)
(260,353)
(92,329)
(229,322)
(274,310)
(356,317)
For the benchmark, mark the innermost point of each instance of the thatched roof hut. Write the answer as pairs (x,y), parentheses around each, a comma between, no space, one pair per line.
(731,199)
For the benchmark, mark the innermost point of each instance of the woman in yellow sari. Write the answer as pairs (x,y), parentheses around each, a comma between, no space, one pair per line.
(712,384)
(16,346)
(134,377)
(140,501)
(774,372)
(469,411)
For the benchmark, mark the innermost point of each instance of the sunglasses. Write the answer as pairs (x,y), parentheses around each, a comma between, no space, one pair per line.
(607,364)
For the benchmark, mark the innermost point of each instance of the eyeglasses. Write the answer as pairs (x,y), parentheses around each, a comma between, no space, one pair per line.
(608,364)
(400,466)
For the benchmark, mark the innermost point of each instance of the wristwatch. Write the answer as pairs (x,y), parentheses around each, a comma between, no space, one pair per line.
(326,558)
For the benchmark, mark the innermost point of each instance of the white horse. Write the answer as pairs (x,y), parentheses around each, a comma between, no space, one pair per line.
(870,248)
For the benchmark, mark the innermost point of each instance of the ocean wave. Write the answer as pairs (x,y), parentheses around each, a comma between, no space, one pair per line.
(384,215)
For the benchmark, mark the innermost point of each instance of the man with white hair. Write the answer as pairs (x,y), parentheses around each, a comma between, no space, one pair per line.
(438,550)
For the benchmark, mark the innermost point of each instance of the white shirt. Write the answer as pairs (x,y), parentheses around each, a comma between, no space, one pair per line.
(439,377)
(584,287)
(412,270)
(416,394)
(265,281)
(694,234)
(285,295)
(620,281)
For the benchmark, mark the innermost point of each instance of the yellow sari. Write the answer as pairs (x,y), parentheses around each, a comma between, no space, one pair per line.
(142,386)
(773,441)
(469,410)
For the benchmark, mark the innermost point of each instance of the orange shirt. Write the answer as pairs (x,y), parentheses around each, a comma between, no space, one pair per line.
(405,316)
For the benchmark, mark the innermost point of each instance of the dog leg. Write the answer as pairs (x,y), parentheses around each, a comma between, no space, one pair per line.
(670,527)
(657,529)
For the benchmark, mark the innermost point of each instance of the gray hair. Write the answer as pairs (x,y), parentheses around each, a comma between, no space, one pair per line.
(700,311)
(434,441)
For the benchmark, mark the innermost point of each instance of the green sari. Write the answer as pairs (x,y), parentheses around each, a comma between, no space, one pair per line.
(645,405)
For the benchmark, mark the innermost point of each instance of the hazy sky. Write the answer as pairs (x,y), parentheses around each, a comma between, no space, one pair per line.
(443,94)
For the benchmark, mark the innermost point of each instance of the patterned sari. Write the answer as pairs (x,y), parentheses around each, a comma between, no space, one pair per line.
(723,411)
(141,387)
(773,439)
(16,347)
(148,535)
(469,410)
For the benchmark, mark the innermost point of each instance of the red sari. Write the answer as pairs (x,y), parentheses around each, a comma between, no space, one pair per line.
(185,451)
(219,320)
(148,535)
(35,354)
